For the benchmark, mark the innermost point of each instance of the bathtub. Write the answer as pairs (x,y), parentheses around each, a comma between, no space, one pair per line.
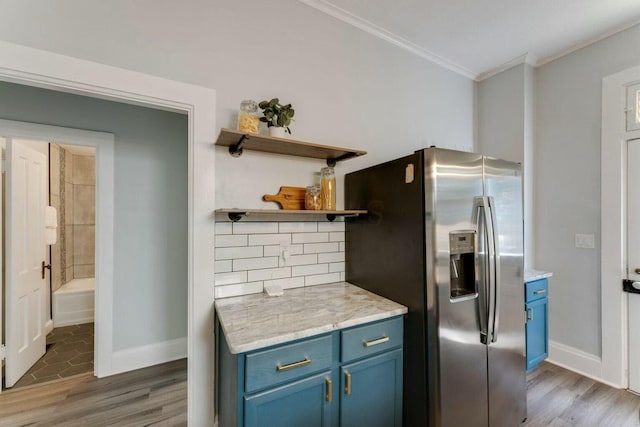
(73,302)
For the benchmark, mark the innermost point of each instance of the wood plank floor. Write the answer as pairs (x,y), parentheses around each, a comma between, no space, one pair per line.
(155,396)
(557,397)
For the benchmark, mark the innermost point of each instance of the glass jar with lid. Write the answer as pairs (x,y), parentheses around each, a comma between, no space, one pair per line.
(248,120)
(328,188)
(312,200)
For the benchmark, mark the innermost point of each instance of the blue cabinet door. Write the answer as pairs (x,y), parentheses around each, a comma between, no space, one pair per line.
(307,402)
(537,332)
(371,392)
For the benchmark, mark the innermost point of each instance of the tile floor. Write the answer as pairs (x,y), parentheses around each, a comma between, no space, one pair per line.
(69,352)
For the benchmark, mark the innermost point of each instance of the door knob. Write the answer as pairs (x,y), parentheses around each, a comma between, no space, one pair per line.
(45,265)
(637,270)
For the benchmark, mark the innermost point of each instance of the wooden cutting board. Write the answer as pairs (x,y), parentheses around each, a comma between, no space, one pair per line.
(290,198)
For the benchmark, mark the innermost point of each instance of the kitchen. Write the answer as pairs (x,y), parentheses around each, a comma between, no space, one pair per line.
(340,78)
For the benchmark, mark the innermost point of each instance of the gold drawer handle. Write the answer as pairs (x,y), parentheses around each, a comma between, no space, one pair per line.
(375,342)
(539,291)
(347,382)
(329,389)
(305,362)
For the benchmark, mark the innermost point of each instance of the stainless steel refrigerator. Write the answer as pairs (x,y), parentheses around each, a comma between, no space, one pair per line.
(444,236)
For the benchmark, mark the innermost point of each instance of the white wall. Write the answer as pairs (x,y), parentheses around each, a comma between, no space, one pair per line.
(348,88)
(567,187)
(150,197)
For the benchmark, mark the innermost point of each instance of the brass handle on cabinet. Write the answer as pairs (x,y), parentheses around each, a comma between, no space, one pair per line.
(305,362)
(347,383)
(329,389)
(529,313)
(375,342)
(539,291)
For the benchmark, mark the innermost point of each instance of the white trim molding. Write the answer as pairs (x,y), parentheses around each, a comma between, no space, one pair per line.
(148,355)
(33,67)
(386,35)
(613,220)
(576,360)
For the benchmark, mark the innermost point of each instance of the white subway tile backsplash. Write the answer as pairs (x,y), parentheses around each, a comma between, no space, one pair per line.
(331,257)
(230,240)
(222,279)
(331,226)
(336,236)
(269,239)
(300,260)
(335,267)
(314,248)
(223,266)
(310,237)
(298,227)
(239,252)
(305,270)
(296,249)
(342,246)
(292,282)
(269,273)
(255,227)
(239,289)
(223,228)
(272,250)
(343,276)
(254,263)
(321,279)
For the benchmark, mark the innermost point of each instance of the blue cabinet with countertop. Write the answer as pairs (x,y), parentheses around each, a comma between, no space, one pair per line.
(537,327)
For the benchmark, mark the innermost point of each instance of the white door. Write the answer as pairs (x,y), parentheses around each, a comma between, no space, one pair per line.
(25,304)
(633,259)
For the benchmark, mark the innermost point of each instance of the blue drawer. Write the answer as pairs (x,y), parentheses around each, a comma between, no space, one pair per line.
(363,341)
(535,290)
(285,363)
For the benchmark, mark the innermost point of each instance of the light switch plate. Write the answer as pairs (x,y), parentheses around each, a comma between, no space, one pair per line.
(585,241)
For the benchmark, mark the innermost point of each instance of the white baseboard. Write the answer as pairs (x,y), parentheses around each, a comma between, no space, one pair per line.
(148,355)
(578,361)
(48,326)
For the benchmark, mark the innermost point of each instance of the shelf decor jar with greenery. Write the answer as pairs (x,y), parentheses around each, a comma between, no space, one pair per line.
(278,117)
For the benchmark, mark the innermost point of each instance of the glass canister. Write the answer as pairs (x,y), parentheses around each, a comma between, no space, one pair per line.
(328,188)
(248,120)
(312,200)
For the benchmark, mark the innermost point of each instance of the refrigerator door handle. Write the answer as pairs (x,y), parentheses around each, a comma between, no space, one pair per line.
(496,276)
(482,210)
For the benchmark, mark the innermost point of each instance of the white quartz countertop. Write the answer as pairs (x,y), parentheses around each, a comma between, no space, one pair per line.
(530,275)
(256,321)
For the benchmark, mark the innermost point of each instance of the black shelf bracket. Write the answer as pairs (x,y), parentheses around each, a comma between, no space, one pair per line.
(332,162)
(331,217)
(236,150)
(236,216)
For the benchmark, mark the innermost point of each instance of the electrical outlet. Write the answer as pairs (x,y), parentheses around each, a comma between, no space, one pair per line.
(585,241)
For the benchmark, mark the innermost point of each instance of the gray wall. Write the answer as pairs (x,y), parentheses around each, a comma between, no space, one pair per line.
(348,87)
(568,133)
(150,237)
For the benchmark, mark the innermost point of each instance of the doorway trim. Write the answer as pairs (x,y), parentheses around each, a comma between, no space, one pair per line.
(33,67)
(103,143)
(614,313)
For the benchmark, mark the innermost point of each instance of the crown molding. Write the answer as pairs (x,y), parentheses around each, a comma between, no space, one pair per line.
(527,58)
(377,31)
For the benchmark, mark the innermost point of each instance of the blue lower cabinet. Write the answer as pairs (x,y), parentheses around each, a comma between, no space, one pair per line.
(537,328)
(371,392)
(307,402)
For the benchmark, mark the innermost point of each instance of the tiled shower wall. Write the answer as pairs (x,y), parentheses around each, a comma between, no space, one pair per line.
(83,179)
(248,255)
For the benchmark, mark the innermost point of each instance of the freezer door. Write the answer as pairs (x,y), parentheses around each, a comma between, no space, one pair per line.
(458,370)
(506,349)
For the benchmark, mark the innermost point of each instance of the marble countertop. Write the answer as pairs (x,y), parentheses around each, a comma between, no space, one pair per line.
(530,275)
(256,321)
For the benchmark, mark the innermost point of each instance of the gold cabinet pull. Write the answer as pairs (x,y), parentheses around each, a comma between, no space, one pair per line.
(305,362)
(329,389)
(375,342)
(539,291)
(347,382)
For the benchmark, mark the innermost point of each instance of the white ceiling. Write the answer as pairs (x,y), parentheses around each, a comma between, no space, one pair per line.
(476,38)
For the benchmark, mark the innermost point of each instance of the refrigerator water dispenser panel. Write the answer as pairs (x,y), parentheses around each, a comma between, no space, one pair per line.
(462,263)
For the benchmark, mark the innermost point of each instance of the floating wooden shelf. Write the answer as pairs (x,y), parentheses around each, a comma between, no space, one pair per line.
(235,214)
(238,141)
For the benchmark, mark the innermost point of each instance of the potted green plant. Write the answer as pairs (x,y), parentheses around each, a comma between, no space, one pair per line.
(278,117)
